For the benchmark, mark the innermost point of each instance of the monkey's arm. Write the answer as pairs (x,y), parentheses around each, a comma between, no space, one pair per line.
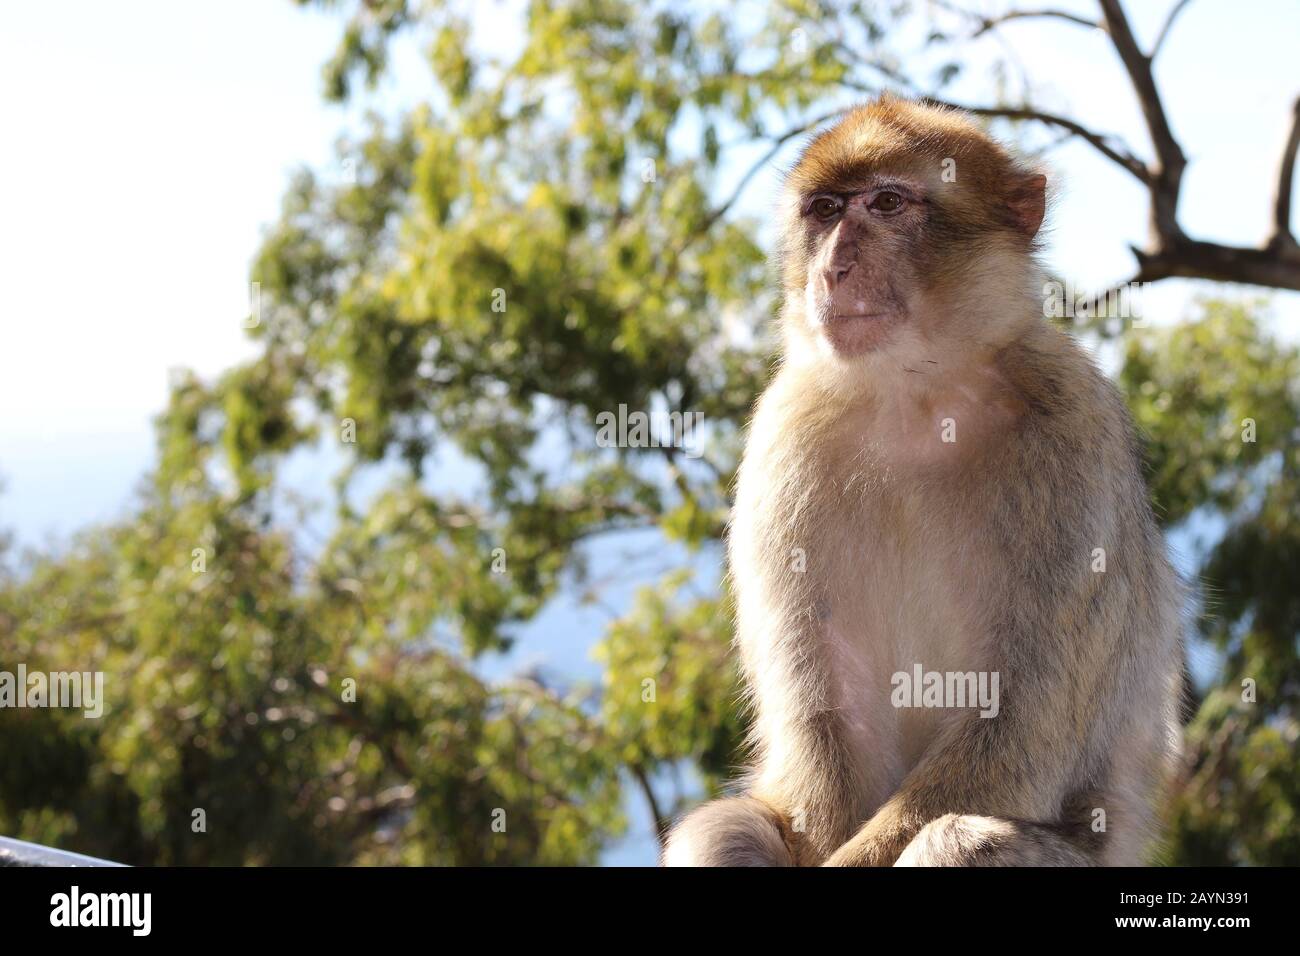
(1014,766)
(976,772)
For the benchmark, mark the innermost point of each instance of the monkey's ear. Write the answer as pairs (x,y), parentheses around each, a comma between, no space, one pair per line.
(1027,201)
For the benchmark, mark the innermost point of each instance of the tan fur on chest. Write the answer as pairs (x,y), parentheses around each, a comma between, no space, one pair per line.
(851,567)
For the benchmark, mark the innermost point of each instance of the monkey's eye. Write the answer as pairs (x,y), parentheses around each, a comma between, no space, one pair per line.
(827,207)
(887,202)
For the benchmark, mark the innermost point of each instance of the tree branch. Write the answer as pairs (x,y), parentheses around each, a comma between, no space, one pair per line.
(989,23)
(777,143)
(1164,30)
(1277,267)
(674,260)
(1170,161)
(1171,253)
(1097,307)
(1282,235)
(662,823)
(1098,141)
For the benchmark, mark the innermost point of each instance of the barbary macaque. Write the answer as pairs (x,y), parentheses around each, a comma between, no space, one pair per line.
(939,484)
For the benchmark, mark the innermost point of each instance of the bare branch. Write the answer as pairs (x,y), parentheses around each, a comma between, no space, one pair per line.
(1275,268)
(1169,22)
(1096,308)
(890,73)
(984,24)
(1168,174)
(1099,141)
(777,143)
(662,823)
(989,23)
(1282,235)
(1171,253)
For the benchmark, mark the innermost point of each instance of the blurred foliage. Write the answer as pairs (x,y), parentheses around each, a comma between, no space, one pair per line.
(550,236)
(1220,402)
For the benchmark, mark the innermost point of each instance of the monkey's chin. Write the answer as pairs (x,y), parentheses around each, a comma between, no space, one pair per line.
(852,335)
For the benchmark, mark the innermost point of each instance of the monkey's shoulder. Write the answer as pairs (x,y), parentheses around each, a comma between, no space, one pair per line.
(1058,381)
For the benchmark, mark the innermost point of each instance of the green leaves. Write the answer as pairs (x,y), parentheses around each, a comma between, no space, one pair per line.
(1220,402)
(1217,399)
(671,690)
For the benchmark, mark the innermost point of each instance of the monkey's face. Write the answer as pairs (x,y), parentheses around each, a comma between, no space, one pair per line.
(861,283)
(908,232)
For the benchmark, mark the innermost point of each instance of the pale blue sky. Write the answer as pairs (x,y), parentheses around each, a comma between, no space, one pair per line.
(149,142)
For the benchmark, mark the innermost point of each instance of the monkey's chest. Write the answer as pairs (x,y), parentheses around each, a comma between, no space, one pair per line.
(891,582)
(903,609)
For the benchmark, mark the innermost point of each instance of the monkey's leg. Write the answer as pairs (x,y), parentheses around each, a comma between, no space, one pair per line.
(735,831)
(964,840)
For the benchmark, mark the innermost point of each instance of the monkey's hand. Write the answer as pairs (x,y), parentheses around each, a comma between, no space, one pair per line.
(880,841)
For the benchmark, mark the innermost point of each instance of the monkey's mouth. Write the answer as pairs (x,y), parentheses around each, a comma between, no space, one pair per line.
(853,333)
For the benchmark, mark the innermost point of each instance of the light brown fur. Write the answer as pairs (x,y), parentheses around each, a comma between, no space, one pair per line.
(862,543)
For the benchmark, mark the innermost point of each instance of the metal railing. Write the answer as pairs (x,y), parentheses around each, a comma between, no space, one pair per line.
(22,853)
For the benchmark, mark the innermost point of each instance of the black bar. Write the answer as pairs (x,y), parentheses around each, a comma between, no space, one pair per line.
(603,908)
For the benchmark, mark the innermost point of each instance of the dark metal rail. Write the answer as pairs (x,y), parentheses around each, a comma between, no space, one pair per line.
(21,853)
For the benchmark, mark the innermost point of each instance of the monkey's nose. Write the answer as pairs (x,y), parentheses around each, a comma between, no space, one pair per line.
(836,274)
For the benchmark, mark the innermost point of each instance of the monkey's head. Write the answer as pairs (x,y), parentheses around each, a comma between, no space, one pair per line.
(908,232)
